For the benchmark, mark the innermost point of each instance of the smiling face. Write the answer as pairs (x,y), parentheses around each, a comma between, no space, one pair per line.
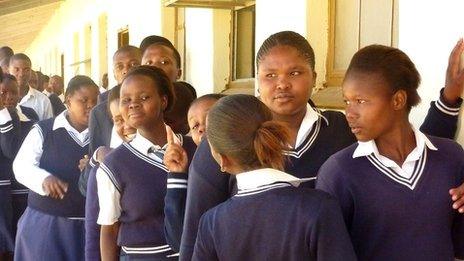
(140,103)
(370,105)
(123,129)
(285,80)
(80,103)
(162,57)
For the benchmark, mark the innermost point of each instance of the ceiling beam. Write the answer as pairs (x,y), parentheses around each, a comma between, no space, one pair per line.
(9,7)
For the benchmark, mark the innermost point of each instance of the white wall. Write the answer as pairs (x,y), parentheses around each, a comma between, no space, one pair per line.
(428,30)
(306,17)
(141,17)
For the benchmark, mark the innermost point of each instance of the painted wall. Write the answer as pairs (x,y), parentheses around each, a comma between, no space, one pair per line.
(428,30)
(69,27)
(306,17)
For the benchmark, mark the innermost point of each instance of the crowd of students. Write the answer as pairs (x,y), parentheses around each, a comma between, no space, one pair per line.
(95,174)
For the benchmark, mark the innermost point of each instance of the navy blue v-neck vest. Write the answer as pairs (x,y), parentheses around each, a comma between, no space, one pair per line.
(61,154)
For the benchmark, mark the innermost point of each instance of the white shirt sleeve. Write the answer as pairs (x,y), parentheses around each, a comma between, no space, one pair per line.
(109,199)
(26,164)
(47,109)
(4,116)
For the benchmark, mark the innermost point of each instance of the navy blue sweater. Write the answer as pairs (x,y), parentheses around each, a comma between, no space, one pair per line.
(279,223)
(395,220)
(209,187)
(143,226)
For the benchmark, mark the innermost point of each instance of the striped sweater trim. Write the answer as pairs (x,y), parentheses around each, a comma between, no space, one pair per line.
(144,157)
(111,176)
(446,109)
(261,189)
(410,182)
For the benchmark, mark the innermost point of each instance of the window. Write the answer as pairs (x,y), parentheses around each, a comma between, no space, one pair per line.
(355,24)
(243,43)
(123,37)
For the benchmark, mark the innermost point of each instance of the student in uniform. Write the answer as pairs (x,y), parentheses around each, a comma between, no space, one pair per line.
(15,123)
(56,85)
(132,180)
(125,134)
(269,218)
(52,227)
(7,136)
(101,128)
(409,172)
(197,112)
(20,67)
(285,66)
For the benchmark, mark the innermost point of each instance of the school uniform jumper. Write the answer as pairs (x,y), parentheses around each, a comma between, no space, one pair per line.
(395,214)
(14,125)
(51,229)
(209,187)
(132,189)
(272,219)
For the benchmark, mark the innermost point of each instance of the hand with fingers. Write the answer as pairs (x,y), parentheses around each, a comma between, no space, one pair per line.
(83,162)
(454,74)
(54,187)
(175,158)
(457,195)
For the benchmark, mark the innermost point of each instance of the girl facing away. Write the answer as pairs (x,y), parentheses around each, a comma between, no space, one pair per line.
(393,183)
(269,218)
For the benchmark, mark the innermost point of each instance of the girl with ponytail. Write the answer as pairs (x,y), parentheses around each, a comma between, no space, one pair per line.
(269,218)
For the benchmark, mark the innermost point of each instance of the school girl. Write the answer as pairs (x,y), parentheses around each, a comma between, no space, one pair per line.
(52,226)
(132,181)
(123,133)
(15,123)
(269,218)
(285,66)
(393,184)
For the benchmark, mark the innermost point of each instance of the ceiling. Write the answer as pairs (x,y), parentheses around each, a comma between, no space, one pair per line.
(22,20)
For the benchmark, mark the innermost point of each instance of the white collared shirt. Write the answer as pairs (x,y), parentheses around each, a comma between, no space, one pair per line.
(26,164)
(265,176)
(115,140)
(46,93)
(407,169)
(5,115)
(109,196)
(61,96)
(39,102)
(307,124)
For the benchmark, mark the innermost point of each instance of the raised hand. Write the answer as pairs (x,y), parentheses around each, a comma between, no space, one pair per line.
(454,74)
(175,158)
(54,187)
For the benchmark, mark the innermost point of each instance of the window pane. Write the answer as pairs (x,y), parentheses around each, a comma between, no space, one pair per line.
(245,43)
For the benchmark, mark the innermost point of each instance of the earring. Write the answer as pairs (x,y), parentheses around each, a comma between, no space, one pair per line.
(223,169)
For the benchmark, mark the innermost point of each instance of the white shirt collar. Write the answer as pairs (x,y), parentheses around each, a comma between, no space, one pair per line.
(30,93)
(115,140)
(46,92)
(368,147)
(260,177)
(310,118)
(62,122)
(142,144)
